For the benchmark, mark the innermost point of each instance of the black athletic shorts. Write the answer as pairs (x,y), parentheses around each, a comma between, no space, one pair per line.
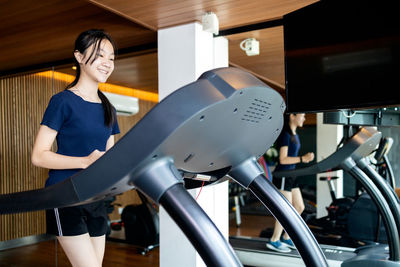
(285,183)
(70,221)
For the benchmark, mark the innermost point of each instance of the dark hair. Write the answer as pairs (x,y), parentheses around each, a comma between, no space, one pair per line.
(82,43)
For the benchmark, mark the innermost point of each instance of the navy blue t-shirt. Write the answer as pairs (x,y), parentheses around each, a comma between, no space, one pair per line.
(285,139)
(80,126)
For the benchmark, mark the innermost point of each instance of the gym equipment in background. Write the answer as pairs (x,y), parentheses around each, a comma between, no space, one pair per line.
(351,222)
(141,224)
(383,166)
(217,125)
(363,210)
(332,228)
(350,157)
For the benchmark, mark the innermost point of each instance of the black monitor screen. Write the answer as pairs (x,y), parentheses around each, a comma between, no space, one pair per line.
(342,54)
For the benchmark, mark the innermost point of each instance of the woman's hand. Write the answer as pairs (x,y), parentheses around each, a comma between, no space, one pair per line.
(306,158)
(95,155)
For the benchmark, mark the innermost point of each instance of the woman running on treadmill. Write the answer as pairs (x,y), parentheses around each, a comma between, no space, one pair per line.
(289,146)
(84,123)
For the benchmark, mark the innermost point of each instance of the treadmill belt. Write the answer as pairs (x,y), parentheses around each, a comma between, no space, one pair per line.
(257,245)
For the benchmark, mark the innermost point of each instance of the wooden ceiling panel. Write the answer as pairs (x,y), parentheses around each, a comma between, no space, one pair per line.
(139,72)
(156,14)
(45,31)
(35,34)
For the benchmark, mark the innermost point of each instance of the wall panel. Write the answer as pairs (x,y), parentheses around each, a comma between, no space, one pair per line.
(22,101)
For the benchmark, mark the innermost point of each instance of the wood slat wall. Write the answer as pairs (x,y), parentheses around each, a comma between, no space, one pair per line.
(23,100)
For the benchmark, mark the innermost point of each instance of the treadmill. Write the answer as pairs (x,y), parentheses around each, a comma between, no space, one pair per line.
(349,157)
(185,135)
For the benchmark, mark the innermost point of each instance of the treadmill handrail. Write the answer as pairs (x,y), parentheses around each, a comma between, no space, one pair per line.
(357,147)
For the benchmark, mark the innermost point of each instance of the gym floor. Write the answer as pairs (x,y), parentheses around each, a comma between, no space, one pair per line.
(117,254)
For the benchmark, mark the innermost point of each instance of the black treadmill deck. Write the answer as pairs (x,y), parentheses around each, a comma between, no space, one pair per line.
(257,245)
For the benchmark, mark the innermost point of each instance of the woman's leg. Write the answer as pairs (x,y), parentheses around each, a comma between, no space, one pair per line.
(79,250)
(298,204)
(297,200)
(278,227)
(99,243)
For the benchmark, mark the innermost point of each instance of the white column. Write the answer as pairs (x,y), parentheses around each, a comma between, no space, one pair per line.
(328,137)
(184,53)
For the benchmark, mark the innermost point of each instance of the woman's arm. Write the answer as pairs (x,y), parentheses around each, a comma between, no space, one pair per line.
(110,142)
(284,159)
(42,156)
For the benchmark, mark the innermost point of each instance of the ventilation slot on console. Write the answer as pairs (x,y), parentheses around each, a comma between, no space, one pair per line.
(256,111)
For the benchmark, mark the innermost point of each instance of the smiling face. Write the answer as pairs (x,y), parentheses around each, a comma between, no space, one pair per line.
(97,64)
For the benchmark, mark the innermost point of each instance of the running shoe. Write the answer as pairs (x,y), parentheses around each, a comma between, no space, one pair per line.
(288,243)
(278,246)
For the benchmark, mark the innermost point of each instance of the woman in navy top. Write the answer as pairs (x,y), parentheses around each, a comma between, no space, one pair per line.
(83,123)
(289,146)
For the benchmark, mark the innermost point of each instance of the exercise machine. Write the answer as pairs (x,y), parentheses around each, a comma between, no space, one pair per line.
(364,220)
(349,157)
(141,225)
(332,228)
(185,135)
